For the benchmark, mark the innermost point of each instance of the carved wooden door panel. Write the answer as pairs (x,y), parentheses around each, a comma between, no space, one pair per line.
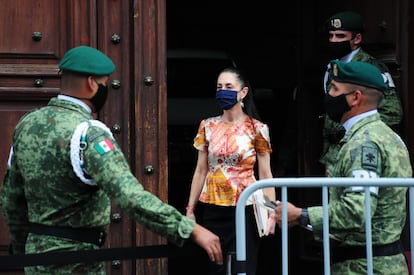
(31,45)
(34,36)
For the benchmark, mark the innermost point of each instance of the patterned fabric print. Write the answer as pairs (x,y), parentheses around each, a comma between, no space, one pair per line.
(389,108)
(370,149)
(395,265)
(38,243)
(232,152)
(40,185)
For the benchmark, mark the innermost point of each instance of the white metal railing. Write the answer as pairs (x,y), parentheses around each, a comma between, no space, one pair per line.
(323,182)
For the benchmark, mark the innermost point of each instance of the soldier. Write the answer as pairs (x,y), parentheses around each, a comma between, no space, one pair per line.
(65,168)
(370,149)
(345,38)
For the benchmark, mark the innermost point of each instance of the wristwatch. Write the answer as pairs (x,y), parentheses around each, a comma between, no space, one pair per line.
(304,217)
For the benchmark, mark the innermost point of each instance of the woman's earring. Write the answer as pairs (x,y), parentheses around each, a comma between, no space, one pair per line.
(242,104)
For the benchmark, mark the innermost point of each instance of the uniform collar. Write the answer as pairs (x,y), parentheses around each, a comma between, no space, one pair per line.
(353,120)
(76,101)
(350,56)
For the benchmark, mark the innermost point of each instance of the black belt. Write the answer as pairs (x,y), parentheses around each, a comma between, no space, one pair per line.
(86,235)
(13,262)
(341,254)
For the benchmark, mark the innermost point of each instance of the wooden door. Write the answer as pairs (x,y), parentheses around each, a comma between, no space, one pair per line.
(34,36)
(33,40)
(149,112)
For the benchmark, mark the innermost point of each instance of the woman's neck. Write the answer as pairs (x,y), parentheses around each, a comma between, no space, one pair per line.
(233,116)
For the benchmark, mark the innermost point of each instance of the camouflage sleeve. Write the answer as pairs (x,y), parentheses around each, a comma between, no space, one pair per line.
(332,133)
(347,214)
(106,164)
(14,207)
(390,107)
(347,205)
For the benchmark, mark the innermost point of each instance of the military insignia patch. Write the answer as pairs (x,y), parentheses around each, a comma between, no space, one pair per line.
(95,136)
(335,69)
(369,157)
(104,146)
(336,23)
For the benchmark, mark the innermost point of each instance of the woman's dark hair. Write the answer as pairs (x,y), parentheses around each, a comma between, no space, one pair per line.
(249,106)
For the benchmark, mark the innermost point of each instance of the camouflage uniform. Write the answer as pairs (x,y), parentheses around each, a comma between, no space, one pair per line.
(389,108)
(40,186)
(369,149)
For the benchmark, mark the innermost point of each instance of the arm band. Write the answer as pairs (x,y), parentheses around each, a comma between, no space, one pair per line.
(304,217)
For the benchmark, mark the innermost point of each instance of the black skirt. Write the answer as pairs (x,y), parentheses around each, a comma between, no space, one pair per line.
(221,221)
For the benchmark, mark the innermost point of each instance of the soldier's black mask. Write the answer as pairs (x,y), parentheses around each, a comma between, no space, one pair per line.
(99,99)
(338,50)
(336,106)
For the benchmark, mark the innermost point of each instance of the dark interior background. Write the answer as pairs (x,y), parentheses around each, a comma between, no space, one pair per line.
(266,44)
(282,50)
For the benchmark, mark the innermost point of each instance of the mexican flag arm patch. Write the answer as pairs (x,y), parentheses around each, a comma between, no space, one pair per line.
(104,146)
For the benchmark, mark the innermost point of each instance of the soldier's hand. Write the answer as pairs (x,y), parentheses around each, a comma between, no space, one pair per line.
(293,213)
(209,242)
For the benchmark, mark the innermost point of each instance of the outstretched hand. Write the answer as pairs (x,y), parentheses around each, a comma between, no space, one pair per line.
(209,242)
(293,214)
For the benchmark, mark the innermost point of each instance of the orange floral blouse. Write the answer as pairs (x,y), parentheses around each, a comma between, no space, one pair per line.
(232,152)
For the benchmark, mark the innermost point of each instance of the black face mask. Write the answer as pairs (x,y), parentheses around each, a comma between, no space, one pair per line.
(339,49)
(336,106)
(99,99)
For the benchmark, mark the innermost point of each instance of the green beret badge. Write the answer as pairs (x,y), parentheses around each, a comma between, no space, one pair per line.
(335,69)
(336,23)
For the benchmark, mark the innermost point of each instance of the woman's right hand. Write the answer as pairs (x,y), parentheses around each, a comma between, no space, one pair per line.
(190,214)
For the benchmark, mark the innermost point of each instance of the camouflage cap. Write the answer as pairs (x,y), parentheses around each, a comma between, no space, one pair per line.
(360,73)
(346,21)
(87,60)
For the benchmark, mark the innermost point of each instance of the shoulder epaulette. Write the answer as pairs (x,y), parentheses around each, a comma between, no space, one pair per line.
(78,144)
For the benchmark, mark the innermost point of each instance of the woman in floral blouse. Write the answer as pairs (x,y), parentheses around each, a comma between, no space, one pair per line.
(228,147)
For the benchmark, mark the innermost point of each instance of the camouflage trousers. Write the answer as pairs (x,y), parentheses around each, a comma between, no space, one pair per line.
(383,265)
(81,269)
(40,244)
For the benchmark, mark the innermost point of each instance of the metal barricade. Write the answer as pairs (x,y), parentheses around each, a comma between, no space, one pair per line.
(324,182)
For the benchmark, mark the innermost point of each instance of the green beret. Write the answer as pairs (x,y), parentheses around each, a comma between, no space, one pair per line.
(360,73)
(87,60)
(346,21)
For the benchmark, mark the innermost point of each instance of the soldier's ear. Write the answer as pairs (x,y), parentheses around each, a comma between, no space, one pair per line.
(357,39)
(91,84)
(357,97)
